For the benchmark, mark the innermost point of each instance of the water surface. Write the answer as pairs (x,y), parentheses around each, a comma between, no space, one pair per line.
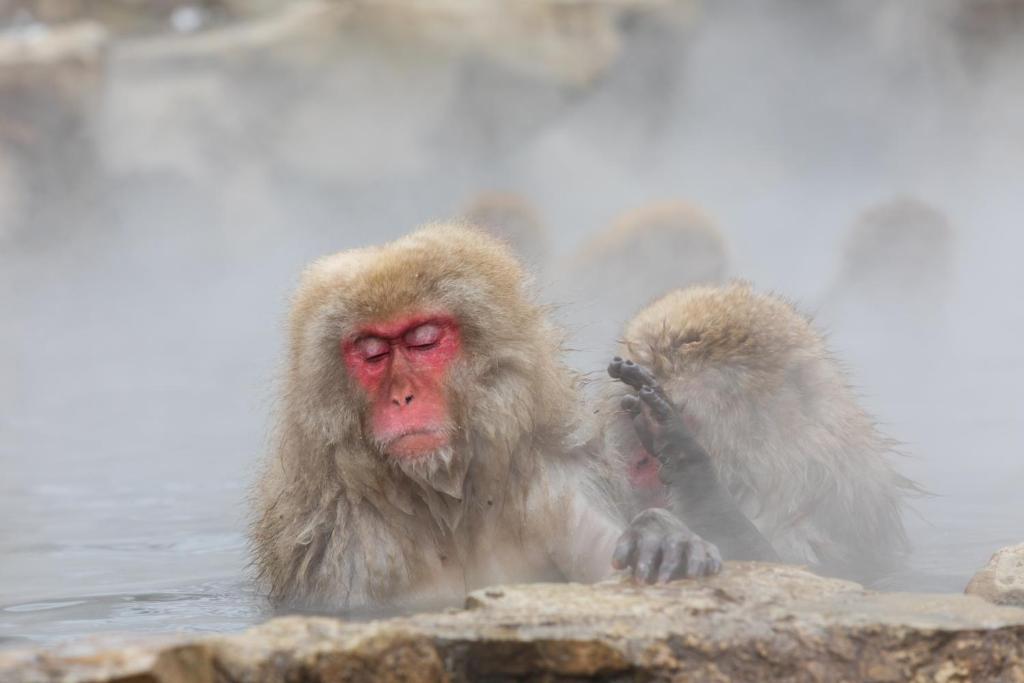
(141,323)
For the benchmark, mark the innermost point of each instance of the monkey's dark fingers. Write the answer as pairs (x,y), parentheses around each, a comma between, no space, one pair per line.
(648,557)
(642,427)
(632,374)
(703,559)
(661,409)
(673,558)
(625,549)
(630,404)
(688,556)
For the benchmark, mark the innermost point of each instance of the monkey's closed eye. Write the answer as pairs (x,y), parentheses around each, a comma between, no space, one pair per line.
(423,337)
(373,349)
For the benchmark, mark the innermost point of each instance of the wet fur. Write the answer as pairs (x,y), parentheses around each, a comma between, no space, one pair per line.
(783,428)
(337,525)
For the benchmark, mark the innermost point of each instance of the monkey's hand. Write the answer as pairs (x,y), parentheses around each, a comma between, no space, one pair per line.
(657,547)
(657,421)
(698,496)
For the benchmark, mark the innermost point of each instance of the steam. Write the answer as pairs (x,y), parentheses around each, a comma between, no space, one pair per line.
(145,265)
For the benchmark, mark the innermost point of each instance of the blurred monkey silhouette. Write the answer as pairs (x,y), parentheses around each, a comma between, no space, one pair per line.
(645,253)
(514,220)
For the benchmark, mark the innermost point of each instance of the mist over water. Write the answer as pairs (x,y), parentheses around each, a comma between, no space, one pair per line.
(143,289)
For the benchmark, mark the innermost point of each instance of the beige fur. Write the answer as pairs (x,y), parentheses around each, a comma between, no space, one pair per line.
(775,413)
(337,526)
(678,228)
(899,248)
(650,250)
(644,253)
(514,220)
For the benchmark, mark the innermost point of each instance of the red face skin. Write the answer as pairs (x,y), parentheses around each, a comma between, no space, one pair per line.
(402,364)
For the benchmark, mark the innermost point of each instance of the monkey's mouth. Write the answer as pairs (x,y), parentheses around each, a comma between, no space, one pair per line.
(416,444)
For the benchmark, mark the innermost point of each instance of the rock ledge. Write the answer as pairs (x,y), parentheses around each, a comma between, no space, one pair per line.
(754,622)
(1002,580)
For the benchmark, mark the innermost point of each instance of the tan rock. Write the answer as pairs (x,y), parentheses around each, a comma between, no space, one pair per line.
(565,42)
(302,21)
(81,42)
(569,42)
(57,66)
(1002,580)
(754,622)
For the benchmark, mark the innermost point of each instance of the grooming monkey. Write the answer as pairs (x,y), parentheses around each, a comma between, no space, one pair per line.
(425,441)
(733,389)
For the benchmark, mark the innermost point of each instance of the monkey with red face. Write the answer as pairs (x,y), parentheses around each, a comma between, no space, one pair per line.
(426,441)
(400,365)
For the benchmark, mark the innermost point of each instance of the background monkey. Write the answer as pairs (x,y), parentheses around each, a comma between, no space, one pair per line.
(887,312)
(757,390)
(425,441)
(644,253)
(898,268)
(515,220)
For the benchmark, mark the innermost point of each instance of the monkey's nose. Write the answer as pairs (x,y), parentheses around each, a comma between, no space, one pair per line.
(408,400)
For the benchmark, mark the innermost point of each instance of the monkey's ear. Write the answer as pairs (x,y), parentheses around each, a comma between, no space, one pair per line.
(689,336)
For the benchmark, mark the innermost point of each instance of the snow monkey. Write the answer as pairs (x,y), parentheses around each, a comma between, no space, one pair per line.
(645,253)
(512,218)
(898,264)
(889,304)
(733,389)
(425,441)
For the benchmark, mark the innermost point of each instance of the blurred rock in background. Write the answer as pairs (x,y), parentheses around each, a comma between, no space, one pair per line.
(1002,580)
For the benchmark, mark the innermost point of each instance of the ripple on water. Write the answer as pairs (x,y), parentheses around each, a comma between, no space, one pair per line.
(41,606)
(211,606)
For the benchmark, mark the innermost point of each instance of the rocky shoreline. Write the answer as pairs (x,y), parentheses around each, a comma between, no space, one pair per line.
(753,622)
(1002,580)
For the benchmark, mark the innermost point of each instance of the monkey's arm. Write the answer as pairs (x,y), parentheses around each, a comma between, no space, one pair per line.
(654,547)
(698,496)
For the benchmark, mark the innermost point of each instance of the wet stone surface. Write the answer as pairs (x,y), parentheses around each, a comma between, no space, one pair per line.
(1002,580)
(754,622)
